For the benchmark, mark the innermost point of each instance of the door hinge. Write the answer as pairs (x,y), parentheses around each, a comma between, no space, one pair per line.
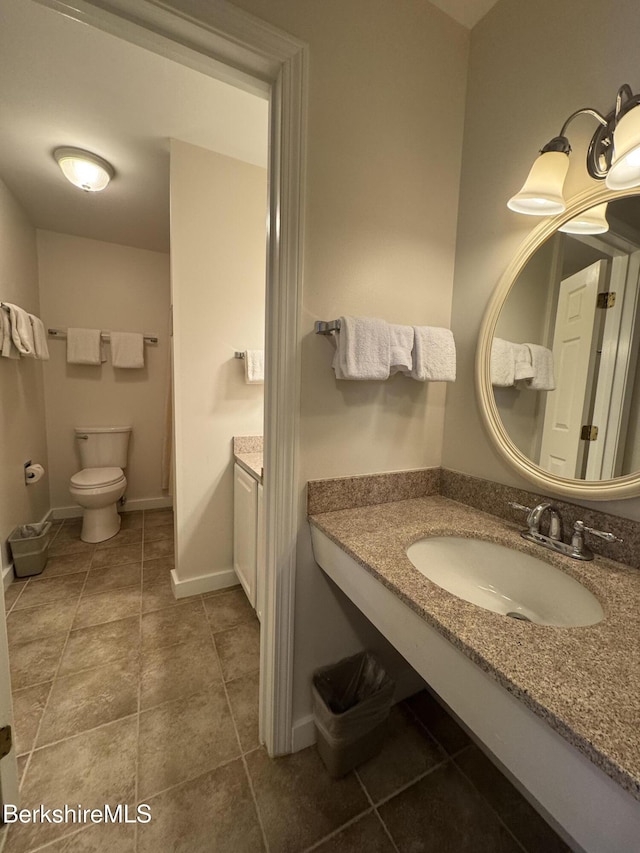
(5,741)
(606,300)
(589,432)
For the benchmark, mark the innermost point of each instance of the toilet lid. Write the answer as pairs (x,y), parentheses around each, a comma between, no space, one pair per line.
(91,478)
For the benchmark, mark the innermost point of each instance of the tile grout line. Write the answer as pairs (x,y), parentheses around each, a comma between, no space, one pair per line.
(44,710)
(235,728)
(336,832)
(190,779)
(490,807)
(137,765)
(386,829)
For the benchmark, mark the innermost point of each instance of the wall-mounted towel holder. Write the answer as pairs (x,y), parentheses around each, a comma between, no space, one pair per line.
(323,327)
(61,333)
(238,354)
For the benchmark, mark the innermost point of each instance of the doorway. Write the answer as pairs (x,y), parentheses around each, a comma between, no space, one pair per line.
(235,49)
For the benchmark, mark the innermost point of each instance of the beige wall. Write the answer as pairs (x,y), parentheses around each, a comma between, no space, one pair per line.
(22,426)
(386,104)
(531,65)
(92,284)
(218,239)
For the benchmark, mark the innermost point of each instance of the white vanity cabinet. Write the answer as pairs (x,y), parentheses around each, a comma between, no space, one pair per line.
(248,536)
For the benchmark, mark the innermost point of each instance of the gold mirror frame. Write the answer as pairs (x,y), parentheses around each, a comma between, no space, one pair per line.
(593,490)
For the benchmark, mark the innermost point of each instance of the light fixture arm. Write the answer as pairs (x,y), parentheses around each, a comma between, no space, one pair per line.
(600,149)
(584,111)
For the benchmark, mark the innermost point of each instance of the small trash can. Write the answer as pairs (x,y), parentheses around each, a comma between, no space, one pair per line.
(351,704)
(29,545)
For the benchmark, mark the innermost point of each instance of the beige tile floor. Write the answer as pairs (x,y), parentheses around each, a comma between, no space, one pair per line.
(123,695)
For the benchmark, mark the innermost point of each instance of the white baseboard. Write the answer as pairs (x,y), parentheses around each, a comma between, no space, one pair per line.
(61,512)
(183,588)
(7,576)
(303,733)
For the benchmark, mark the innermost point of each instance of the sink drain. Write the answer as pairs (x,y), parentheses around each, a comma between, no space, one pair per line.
(515,615)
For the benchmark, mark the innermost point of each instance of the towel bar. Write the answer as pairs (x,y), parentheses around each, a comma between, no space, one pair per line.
(61,333)
(323,327)
(238,354)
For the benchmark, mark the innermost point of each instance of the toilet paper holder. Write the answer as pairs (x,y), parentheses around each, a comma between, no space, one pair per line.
(32,473)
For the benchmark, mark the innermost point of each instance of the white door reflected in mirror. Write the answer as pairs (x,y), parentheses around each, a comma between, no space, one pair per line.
(577,296)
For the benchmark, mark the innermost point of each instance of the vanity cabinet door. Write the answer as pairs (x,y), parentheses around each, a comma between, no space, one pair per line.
(260,561)
(245,508)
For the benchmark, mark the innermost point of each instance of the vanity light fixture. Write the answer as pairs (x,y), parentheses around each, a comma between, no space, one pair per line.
(84,169)
(613,156)
(591,221)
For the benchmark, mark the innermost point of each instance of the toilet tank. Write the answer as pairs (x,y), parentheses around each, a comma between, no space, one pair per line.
(103,447)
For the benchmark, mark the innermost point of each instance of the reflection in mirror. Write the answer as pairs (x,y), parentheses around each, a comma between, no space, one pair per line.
(564,362)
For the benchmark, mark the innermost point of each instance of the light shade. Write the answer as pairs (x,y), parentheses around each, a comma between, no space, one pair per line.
(591,221)
(541,194)
(84,169)
(625,166)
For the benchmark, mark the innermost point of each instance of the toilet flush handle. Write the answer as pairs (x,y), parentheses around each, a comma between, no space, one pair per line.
(83,437)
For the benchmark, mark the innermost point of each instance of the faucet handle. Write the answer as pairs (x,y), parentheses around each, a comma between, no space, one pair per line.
(515,505)
(581,527)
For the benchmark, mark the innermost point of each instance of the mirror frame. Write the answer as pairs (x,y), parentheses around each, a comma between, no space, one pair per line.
(594,490)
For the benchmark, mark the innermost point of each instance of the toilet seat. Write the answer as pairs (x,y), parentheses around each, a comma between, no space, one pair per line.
(95,478)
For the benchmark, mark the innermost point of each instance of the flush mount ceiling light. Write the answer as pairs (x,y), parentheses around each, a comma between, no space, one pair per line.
(613,156)
(84,169)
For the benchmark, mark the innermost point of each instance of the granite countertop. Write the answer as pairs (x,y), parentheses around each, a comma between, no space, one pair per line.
(252,463)
(585,681)
(247,452)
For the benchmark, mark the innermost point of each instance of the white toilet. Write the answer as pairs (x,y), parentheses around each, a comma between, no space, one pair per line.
(101,483)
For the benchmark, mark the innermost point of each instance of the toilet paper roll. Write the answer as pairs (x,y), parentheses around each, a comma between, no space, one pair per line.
(33,473)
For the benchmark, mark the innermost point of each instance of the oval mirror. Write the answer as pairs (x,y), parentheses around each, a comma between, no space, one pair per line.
(558,367)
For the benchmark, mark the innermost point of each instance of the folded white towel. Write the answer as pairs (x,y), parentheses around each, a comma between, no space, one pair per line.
(21,331)
(523,366)
(8,347)
(127,349)
(84,346)
(542,361)
(362,349)
(434,354)
(39,337)
(503,363)
(400,349)
(254,367)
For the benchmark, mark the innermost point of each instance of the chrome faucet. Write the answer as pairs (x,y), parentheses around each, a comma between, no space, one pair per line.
(555,522)
(553,541)
(579,550)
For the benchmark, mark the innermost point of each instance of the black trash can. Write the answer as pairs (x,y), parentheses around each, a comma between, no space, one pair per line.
(351,704)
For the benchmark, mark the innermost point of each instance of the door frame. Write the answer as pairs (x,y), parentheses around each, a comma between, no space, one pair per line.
(242,50)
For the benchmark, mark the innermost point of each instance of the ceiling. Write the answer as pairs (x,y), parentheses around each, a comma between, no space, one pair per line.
(466,12)
(63,83)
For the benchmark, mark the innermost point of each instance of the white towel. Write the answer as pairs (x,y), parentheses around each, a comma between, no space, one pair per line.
(127,349)
(523,365)
(8,347)
(254,367)
(84,346)
(400,349)
(39,337)
(362,349)
(434,354)
(542,361)
(21,331)
(503,363)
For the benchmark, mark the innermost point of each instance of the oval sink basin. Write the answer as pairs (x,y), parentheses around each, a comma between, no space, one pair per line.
(505,581)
